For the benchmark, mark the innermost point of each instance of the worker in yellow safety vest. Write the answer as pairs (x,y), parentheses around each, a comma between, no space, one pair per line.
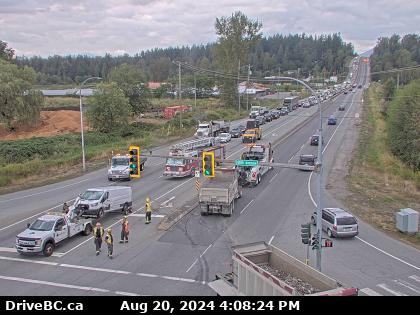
(148,211)
(109,240)
(98,233)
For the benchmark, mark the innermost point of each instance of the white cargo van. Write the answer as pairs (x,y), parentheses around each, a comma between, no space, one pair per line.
(97,201)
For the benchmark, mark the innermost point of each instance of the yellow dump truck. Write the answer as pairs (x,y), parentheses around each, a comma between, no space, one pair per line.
(253,131)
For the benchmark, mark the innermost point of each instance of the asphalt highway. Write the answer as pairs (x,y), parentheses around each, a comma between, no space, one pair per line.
(184,258)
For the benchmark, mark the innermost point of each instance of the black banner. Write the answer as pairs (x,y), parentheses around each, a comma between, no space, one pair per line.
(180,305)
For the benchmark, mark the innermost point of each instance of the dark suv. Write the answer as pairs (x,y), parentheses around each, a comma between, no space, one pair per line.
(307,159)
(315,139)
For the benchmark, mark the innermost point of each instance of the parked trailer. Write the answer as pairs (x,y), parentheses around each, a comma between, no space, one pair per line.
(260,269)
(218,194)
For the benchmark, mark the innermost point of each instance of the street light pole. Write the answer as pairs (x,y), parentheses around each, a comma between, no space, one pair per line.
(81,120)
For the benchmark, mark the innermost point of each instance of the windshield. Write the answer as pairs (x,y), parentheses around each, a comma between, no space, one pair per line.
(175,162)
(91,195)
(306,158)
(224,135)
(254,109)
(120,161)
(40,225)
(346,221)
(203,126)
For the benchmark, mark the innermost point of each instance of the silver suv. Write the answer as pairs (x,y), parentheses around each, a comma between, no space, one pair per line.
(337,222)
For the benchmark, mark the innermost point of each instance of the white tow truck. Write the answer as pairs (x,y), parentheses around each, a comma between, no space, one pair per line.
(259,152)
(46,232)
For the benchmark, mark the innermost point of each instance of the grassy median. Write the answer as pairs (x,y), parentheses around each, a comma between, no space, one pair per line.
(380,183)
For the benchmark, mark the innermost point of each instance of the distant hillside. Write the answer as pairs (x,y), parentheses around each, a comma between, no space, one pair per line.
(326,54)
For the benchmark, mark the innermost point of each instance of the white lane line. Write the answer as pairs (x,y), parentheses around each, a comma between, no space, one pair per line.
(394,292)
(247,205)
(40,262)
(235,152)
(147,275)
(201,255)
(206,250)
(13,250)
(142,215)
(309,189)
(122,272)
(35,215)
(388,254)
(370,292)
(415,278)
(54,284)
(407,285)
(95,269)
(126,293)
(115,223)
(272,178)
(45,191)
(271,239)
(195,261)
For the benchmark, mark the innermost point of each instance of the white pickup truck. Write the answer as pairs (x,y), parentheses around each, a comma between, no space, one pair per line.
(43,235)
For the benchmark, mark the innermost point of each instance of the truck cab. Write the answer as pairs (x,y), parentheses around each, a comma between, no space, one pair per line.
(43,235)
(253,131)
(120,167)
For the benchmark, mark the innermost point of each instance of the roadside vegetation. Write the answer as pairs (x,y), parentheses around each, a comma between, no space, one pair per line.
(382,180)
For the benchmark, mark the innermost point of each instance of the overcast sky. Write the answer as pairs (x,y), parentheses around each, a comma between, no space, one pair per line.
(48,27)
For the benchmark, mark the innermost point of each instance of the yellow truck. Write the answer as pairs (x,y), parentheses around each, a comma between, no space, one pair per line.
(253,131)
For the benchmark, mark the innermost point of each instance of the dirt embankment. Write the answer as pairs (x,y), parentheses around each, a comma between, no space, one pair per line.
(52,123)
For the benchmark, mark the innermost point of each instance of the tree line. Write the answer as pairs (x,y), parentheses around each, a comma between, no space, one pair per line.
(402,100)
(323,55)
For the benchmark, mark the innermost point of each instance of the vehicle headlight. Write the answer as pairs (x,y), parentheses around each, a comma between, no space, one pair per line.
(95,204)
(109,171)
(17,240)
(38,242)
(126,171)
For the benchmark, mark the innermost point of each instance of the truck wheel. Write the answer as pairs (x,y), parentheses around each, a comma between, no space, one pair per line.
(313,221)
(87,230)
(329,233)
(110,179)
(258,179)
(48,249)
(203,213)
(141,167)
(100,213)
(239,193)
(125,209)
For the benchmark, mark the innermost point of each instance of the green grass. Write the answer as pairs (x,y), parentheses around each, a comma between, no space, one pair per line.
(61,101)
(380,183)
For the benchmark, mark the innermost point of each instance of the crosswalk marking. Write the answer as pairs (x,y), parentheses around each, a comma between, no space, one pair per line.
(369,292)
(407,285)
(415,278)
(394,292)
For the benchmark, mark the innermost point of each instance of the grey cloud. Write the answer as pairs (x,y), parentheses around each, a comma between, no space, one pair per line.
(46,27)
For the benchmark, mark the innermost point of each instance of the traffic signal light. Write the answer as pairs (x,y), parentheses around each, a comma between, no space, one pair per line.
(208,164)
(328,243)
(305,233)
(134,152)
(315,242)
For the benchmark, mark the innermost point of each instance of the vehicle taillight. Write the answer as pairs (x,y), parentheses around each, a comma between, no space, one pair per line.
(168,168)
(254,174)
(335,227)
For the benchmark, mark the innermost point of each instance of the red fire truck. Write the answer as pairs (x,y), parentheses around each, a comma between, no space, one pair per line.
(182,167)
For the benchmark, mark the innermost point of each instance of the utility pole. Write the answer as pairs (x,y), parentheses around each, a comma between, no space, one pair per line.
(239,94)
(195,92)
(398,80)
(247,84)
(278,90)
(179,93)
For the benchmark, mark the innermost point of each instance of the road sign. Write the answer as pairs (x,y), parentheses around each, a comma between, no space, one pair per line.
(197,174)
(246,162)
